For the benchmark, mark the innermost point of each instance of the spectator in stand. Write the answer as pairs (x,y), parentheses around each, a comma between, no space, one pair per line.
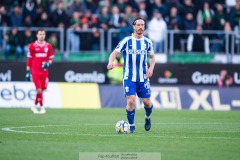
(230,4)
(235,15)
(86,17)
(237,34)
(205,13)
(219,21)
(177,38)
(158,5)
(30,10)
(77,6)
(189,23)
(27,22)
(95,39)
(106,3)
(91,5)
(10,3)
(28,38)
(40,11)
(4,18)
(157,31)
(128,16)
(121,5)
(174,19)
(13,45)
(115,18)
(59,15)
(103,19)
(85,37)
(74,35)
(53,40)
(227,30)
(208,25)
(94,25)
(16,17)
(124,30)
(46,4)
(142,10)
(219,18)
(188,7)
(44,20)
(173,3)
(196,42)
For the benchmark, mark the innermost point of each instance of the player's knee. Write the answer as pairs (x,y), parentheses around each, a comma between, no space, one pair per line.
(131,102)
(39,90)
(147,102)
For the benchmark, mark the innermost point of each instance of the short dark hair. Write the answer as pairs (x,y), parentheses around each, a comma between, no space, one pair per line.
(139,18)
(40,30)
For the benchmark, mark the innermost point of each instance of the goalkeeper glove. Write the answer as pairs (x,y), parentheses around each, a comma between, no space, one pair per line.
(28,75)
(45,65)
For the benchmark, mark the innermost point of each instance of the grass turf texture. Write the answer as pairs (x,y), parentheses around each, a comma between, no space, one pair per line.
(182,135)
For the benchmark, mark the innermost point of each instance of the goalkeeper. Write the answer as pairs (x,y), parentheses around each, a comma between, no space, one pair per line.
(40,55)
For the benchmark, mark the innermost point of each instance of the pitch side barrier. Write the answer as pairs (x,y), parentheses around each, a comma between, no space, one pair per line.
(164,74)
(96,96)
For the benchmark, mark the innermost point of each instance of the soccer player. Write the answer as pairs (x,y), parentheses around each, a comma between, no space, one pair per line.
(136,74)
(40,55)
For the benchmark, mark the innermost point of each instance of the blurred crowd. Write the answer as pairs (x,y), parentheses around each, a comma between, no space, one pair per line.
(160,16)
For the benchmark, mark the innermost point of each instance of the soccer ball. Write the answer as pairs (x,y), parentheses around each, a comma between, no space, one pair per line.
(122,127)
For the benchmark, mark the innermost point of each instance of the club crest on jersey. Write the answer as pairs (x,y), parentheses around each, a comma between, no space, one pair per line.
(46,50)
(144,46)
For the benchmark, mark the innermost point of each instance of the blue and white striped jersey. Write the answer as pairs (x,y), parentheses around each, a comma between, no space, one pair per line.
(135,53)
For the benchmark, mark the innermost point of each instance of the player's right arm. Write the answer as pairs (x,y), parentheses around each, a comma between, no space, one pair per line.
(112,57)
(29,57)
(120,48)
(29,63)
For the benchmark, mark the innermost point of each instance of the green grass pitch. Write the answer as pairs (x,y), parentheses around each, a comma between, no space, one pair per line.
(62,133)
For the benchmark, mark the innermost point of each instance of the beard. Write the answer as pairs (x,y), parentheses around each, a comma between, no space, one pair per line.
(140,31)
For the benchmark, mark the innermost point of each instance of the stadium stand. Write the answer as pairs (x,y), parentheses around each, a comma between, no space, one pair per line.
(77,28)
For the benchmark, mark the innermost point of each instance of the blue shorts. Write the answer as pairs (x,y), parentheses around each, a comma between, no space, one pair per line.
(141,88)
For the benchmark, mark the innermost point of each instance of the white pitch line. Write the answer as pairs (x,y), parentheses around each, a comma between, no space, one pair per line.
(11,129)
(165,123)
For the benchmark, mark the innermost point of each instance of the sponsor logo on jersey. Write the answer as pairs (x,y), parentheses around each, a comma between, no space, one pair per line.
(41,54)
(135,51)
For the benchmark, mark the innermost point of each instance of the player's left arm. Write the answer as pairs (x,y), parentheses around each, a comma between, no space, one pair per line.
(50,56)
(151,67)
(152,61)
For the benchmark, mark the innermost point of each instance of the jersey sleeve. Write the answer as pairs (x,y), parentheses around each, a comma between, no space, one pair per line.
(50,52)
(122,45)
(29,55)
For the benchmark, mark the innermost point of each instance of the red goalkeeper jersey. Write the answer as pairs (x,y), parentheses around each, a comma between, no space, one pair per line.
(37,55)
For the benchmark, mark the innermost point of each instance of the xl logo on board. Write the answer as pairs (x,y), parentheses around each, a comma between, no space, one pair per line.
(203,98)
(163,98)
